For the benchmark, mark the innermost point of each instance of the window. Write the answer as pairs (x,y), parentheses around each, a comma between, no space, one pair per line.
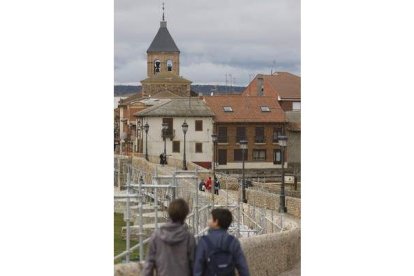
(260,137)
(222,135)
(238,155)
(277,131)
(169,65)
(170,128)
(199,147)
(199,125)
(176,146)
(259,155)
(240,134)
(157,66)
(222,157)
(265,109)
(228,109)
(277,156)
(296,106)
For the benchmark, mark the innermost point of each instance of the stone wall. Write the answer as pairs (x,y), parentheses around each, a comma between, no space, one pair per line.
(140,162)
(231,182)
(270,254)
(120,162)
(276,186)
(271,201)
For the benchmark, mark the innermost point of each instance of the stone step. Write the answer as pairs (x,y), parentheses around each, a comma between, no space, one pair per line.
(147,229)
(134,210)
(150,217)
(120,205)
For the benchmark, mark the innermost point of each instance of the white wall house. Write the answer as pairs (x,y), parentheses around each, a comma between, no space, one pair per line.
(198,116)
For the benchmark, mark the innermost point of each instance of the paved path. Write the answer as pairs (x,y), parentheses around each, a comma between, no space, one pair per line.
(295,271)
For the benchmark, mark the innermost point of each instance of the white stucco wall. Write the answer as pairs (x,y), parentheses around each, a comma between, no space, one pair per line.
(156,143)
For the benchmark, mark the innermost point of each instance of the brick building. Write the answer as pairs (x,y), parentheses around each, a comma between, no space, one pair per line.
(283,86)
(257,119)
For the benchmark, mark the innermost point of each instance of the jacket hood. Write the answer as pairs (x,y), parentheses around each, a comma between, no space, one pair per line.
(173,233)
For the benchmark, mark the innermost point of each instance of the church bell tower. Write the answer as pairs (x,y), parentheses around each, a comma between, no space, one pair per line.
(163,54)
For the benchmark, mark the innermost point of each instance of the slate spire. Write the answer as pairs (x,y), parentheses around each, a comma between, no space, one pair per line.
(163,41)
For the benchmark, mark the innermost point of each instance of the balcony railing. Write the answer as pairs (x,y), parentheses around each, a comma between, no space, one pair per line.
(239,138)
(260,139)
(169,134)
(222,139)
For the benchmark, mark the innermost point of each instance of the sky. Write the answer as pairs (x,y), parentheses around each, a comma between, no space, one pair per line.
(217,37)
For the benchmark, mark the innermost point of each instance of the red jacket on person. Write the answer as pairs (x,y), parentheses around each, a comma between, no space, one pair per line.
(208,184)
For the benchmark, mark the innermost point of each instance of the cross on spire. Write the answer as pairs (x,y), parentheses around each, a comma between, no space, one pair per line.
(163,8)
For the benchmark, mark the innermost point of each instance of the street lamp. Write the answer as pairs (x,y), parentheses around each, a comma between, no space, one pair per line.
(164,134)
(146,128)
(282,143)
(185,128)
(243,145)
(214,139)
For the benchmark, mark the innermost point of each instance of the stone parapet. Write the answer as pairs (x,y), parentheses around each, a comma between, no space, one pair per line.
(270,254)
(272,201)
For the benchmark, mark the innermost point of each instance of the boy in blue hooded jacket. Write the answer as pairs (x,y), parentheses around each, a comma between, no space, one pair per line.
(219,240)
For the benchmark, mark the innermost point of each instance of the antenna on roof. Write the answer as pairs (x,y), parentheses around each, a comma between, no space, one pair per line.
(273,66)
(163,9)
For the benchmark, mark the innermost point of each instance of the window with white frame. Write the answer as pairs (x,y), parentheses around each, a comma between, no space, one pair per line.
(296,106)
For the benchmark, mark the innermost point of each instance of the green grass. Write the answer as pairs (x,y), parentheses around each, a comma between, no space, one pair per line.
(119,243)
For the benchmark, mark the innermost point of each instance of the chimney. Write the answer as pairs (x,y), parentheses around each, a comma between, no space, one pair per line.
(260,86)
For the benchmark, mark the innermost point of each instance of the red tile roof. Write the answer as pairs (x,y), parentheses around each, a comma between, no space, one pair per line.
(283,84)
(245,109)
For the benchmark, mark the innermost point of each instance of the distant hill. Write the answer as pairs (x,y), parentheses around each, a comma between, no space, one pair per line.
(124,90)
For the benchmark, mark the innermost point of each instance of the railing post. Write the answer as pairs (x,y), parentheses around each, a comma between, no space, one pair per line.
(197,190)
(141,230)
(127,218)
(238,214)
(156,207)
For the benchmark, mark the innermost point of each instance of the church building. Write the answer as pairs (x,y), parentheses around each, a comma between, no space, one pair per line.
(163,67)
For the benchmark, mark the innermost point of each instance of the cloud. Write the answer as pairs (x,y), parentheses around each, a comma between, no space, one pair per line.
(240,37)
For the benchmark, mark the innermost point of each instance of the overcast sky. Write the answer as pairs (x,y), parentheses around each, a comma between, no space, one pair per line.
(238,37)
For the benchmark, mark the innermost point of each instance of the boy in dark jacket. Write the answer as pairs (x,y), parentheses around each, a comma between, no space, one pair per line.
(171,248)
(218,240)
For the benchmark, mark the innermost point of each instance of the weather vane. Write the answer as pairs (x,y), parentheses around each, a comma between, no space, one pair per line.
(163,19)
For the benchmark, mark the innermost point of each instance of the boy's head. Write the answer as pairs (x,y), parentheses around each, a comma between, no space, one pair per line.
(220,218)
(178,210)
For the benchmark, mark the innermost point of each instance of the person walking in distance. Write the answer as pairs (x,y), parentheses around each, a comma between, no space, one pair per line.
(219,253)
(216,186)
(171,247)
(208,184)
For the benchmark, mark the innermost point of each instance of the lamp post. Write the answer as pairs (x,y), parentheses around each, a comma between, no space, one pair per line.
(164,134)
(146,128)
(214,139)
(243,145)
(185,128)
(282,143)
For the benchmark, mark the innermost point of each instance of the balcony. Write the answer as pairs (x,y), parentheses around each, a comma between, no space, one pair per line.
(260,140)
(223,139)
(239,138)
(169,134)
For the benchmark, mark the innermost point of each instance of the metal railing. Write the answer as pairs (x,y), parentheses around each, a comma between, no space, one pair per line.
(156,192)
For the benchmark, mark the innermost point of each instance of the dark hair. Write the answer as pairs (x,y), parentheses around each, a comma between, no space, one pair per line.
(223,217)
(178,210)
